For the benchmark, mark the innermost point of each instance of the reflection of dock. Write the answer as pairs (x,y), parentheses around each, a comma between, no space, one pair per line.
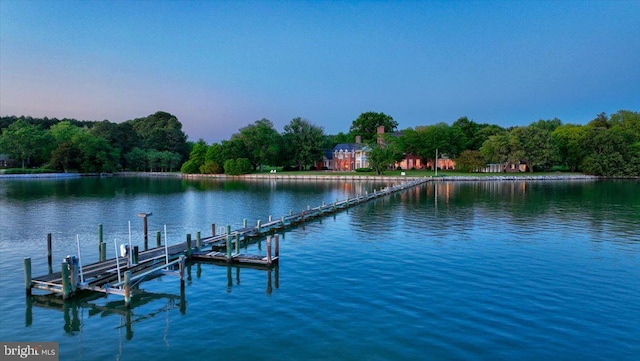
(121,274)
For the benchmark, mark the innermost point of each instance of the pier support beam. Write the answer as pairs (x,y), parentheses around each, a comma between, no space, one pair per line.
(50,253)
(158,239)
(27,275)
(188,244)
(268,249)
(198,241)
(66,282)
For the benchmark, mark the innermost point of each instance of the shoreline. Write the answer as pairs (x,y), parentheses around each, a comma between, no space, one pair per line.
(307,177)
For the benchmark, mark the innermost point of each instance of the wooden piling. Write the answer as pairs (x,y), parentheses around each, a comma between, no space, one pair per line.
(268,249)
(244,223)
(127,289)
(237,243)
(258,226)
(27,275)
(188,244)
(103,252)
(276,245)
(158,239)
(228,229)
(134,256)
(181,264)
(198,241)
(66,284)
(228,247)
(50,253)
(213,229)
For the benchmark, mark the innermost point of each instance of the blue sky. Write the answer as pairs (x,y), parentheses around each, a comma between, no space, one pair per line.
(221,65)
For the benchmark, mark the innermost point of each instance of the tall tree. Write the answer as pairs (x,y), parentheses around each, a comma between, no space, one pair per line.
(366,126)
(262,141)
(23,141)
(303,142)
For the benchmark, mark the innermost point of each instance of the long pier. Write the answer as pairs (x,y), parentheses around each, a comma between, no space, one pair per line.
(119,275)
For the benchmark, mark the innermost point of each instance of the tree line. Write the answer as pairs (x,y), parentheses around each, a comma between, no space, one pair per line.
(605,146)
(152,143)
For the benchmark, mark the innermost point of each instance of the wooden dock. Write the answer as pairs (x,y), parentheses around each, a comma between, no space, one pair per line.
(119,275)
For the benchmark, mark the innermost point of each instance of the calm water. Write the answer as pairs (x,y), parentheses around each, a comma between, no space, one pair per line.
(468,270)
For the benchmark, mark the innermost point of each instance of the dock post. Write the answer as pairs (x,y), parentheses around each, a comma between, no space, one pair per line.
(282,221)
(50,253)
(269,218)
(258,226)
(228,247)
(103,252)
(66,284)
(268,249)
(135,255)
(181,264)
(27,275)
(276,245)
(244,223)
(127,289)
(237,243)
(188,244)
(158,239)
(291,212)
(145,228)
(302,216)
(100,241)
(228,229)
(213,229)
(198,241)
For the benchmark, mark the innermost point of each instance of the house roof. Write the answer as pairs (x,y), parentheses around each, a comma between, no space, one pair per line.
(350,147)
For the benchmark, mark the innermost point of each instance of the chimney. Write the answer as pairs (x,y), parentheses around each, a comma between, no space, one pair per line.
(380,133)
(358,139)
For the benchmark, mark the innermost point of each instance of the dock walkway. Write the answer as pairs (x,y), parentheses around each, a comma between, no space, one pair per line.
(118,275)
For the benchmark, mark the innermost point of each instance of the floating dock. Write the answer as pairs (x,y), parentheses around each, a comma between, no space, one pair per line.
(119,275)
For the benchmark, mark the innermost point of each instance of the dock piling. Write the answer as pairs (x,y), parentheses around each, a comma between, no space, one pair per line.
(276,245)
(66,285)
(188,244)
(228,247)
(158,239)
(268,249)
(198,241)
(50,253)
(134,256)
(213,229)
(27,275)
(103,252)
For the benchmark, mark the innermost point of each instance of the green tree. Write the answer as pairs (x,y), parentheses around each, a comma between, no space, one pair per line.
(136,160)
(568,140)
(381,157)
(531,144)
(196,158)
(262,141)
(366,126)
(24,142)
(161,131)
(303,142)
(496,149)
(470,161)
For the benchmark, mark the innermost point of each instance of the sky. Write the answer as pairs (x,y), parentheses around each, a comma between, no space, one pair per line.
(221,65)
